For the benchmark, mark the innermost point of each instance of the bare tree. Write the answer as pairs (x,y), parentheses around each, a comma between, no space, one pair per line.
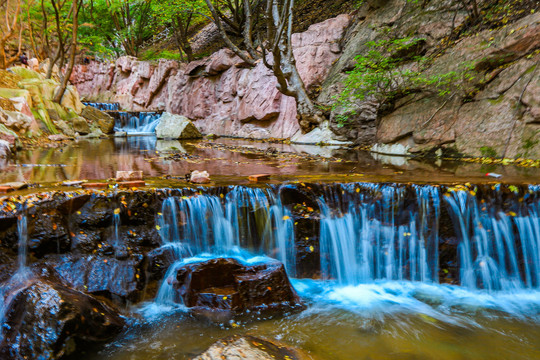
(279,24)
(10,27)
(72,51)
(276,52)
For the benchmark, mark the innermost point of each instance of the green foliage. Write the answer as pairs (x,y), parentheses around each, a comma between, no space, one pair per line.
(488,151)
(391,69)
(156,55)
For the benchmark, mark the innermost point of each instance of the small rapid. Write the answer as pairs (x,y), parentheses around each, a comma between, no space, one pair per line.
(378,244)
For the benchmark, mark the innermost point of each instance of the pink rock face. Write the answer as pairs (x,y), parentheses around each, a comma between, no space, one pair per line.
(129,175)
(220,94)
(199,177)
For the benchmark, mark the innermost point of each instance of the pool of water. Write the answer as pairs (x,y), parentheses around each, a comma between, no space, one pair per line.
(381,320)
(236,159)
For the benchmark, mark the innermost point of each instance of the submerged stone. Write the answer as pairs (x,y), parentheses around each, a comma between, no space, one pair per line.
(249,347)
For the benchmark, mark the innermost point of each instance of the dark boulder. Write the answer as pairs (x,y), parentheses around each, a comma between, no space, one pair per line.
(47,233)
(118,280)
(228,287)
(45,320)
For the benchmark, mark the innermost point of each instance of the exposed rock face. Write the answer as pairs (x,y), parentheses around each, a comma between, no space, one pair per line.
(81,126)
(502,117)
(249,347)
(47,320)
(176,127)
(102,119)
(4,149)
(219,94)
(225,285)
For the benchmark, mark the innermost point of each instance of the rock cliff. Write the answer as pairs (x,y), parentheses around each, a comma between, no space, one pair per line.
(495,113)
(219,93)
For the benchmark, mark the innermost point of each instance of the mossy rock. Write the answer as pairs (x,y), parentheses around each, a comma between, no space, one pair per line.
(26,73)
(12,93)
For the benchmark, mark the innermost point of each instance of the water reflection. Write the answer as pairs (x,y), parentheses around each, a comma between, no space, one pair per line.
(100,159)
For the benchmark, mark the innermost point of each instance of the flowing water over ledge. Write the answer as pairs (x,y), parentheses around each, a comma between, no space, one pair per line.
(377,263)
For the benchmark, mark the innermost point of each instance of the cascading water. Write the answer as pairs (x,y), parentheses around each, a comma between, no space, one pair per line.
(104,106)
(22,230)
(243,223)
(499,247)
(137,123)
(376,241)
(373,231)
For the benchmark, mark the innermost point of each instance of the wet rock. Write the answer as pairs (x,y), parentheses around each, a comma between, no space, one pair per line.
(121,280)
(226,287)
(159,261)
(46,320)
(176,127)
(199,177)
(250,347)
(102,119)
(47,233)
(95,213)
(81,126)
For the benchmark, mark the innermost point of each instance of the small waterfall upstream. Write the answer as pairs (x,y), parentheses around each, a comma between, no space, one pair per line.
(136,123)
(103,106)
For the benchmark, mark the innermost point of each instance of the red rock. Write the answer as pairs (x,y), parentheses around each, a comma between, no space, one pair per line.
(259,177)
(130,184)
(5,189)
(129,175)
(95,186)
(199,177)
(228,287)
(219,89)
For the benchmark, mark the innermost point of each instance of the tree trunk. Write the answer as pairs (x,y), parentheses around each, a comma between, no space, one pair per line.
(279,34)
(60,94)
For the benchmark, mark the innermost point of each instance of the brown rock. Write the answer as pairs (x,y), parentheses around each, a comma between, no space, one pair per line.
(259,177)
(129,175)
(249,347)
(81,126)
(95,185)
(228,287)
(130,184)
(102,119)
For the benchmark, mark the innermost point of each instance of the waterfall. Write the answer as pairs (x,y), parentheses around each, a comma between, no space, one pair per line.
(237,220)
(22,231)
(116,230)
(368,233)
(378,231)
(499,247)
(137,123)
(104,106)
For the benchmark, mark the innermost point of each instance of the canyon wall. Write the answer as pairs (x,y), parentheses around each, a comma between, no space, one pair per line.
(220,93)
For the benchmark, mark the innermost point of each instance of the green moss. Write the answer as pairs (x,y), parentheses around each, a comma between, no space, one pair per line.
(27,73)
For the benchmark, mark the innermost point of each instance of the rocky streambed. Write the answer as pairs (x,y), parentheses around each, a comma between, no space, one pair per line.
(332,270)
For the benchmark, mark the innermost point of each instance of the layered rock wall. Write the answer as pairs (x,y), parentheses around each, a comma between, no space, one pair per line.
(493,109)
(221,94)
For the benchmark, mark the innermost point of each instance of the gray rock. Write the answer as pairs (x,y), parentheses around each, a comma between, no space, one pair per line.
(176,127)
(81,126)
